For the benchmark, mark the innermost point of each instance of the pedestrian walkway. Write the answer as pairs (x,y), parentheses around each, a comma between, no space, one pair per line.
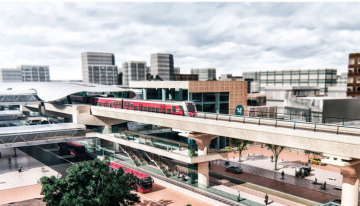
(289,179)
(280,186)
(288,167)
(31,170)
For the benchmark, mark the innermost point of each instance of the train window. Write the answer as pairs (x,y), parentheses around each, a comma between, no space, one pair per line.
(153,109)
(173,108)
(99,103)
(132,105)
(110,105)
(169,111)
(135,108)
(149,109)
(145,108)
(162,110)
(157,110)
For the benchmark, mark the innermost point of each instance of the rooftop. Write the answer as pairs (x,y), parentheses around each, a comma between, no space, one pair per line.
(51,91)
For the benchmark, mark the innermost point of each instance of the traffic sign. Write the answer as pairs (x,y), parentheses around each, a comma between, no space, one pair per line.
(239,110)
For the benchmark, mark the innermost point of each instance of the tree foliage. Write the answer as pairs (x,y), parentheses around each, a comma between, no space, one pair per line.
(240,144)
(276,150)
(90,185)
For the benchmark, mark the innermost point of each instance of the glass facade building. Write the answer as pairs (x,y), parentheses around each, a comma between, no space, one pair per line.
(305,77)
(207,74)
(35,73)
(99,68)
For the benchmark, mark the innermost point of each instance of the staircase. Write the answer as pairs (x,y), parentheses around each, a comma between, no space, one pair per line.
(163,164)
(134,155)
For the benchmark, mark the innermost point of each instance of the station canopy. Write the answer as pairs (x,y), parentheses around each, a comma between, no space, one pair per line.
(51,91)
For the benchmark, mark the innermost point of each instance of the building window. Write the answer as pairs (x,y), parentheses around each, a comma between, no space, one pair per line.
(350,80)
(351,61)
(358,80)
(351,70)
(349,89)
(357,89)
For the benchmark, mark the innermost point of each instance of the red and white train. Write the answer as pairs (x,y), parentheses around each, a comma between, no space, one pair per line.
(185,108)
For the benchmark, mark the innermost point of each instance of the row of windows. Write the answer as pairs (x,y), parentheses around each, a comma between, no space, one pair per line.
(350,89)
(352,61)
(352,70)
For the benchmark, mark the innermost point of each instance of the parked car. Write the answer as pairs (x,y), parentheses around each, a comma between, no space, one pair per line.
(234,169)
(226,149)
(316,161)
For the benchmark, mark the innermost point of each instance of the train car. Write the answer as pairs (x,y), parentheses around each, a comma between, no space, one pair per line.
(185,108)
(107,102)
(143,181)
(75,149)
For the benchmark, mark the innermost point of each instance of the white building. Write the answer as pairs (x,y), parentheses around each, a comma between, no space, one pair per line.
(10,75)
(276,95)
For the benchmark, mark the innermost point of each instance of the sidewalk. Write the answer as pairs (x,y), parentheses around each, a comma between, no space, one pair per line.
(280,186)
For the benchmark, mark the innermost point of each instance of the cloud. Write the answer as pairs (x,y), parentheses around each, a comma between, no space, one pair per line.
(232,37)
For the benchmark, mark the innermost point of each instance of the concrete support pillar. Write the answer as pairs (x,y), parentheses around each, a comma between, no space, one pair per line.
(163,94)
(144,94)
(350,194)
(350,185)
(203,174)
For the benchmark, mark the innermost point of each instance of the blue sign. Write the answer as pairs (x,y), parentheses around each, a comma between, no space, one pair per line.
(239,110)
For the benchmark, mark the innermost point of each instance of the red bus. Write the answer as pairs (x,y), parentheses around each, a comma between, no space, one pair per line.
(74,148)
(185,108)
(143,181)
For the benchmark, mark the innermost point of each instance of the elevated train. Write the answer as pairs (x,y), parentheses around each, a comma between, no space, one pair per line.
(185,108)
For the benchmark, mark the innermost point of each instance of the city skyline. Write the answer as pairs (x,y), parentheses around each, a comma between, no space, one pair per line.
(231,37)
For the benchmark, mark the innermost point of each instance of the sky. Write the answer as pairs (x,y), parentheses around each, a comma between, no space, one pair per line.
(231,37)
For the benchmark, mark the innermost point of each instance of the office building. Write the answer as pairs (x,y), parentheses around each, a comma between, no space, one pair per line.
(162,66)
(304,77)
(10,75)
(34,73)
(99,68)
(206,74)
(353,81)
(133,71)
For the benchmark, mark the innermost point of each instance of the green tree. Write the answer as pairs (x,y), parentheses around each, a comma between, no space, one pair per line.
(276,150)
(240,144)
(90,185)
